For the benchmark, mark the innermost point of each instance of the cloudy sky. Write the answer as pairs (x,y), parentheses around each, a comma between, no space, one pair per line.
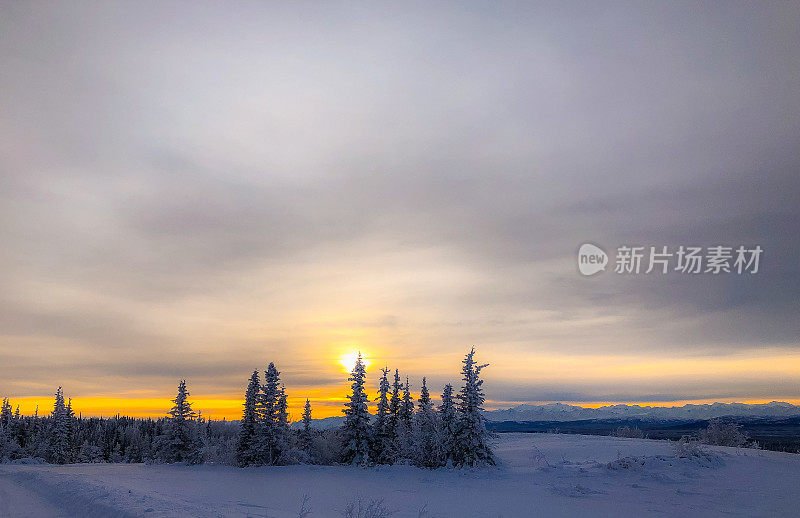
(192,190)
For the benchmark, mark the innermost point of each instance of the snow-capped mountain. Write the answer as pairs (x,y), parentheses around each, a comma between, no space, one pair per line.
(564,412)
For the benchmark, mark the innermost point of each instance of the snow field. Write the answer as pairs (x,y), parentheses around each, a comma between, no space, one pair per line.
(538,475)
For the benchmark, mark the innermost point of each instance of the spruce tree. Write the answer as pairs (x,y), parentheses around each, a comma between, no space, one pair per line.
(6,433)
(72,444)
(471,446)
(405,423)
(283,409)
(5,415)
(356,429)
(383,435)
(5,445)
(307,435)
(426,444)
(407,405)
(246,447)
(272,420)
(307,420)
(447,424)
(59,447)
(179,444)
(285,453)
(18,430)
(394,404)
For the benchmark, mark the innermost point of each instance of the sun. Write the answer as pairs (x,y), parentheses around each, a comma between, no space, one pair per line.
(348,360)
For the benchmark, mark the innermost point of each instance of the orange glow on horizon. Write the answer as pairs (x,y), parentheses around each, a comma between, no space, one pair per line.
(230,408)
(629,372)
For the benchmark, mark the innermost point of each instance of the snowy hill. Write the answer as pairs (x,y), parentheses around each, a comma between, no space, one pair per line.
(563,412)
(537,475)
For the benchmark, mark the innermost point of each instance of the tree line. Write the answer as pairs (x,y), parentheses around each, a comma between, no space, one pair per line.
(64,438)
(400,431)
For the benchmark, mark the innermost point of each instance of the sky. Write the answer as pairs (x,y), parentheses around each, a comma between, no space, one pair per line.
(192,190)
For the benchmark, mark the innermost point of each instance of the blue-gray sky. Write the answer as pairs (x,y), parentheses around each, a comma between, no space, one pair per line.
(193,189)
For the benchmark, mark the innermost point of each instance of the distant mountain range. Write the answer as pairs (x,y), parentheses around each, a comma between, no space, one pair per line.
(563,412)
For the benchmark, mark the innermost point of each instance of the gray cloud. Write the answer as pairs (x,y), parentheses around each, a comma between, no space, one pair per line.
(157,157)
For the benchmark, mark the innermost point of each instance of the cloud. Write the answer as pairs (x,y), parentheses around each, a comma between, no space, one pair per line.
(421,178)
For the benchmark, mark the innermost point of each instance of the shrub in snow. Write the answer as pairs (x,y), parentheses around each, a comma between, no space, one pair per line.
(723,433)
(687,447)
(690,448)
(360,509)
(630,463)
(305,507)
(537,457)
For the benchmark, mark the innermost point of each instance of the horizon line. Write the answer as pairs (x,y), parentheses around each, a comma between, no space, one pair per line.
(230,408)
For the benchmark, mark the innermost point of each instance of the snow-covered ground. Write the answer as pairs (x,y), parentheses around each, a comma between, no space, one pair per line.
(538,475)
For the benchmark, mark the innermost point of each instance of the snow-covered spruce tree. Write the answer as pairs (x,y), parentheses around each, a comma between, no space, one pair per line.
(426,445)
(471,445)
(447,424)
(40,437)
(6,434)
(407,405)
(5,415)
(283,408)
(198,429)
(288,453)
(307,434)
(178,444)
(7,430)
(5,445)
(19,429)
(394,404)
(356,428)
(405,422)
(72,435)
(19,432)
(59,451)
(382,432)
(265,415)
(246,447)
(307,418)
(273,441)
